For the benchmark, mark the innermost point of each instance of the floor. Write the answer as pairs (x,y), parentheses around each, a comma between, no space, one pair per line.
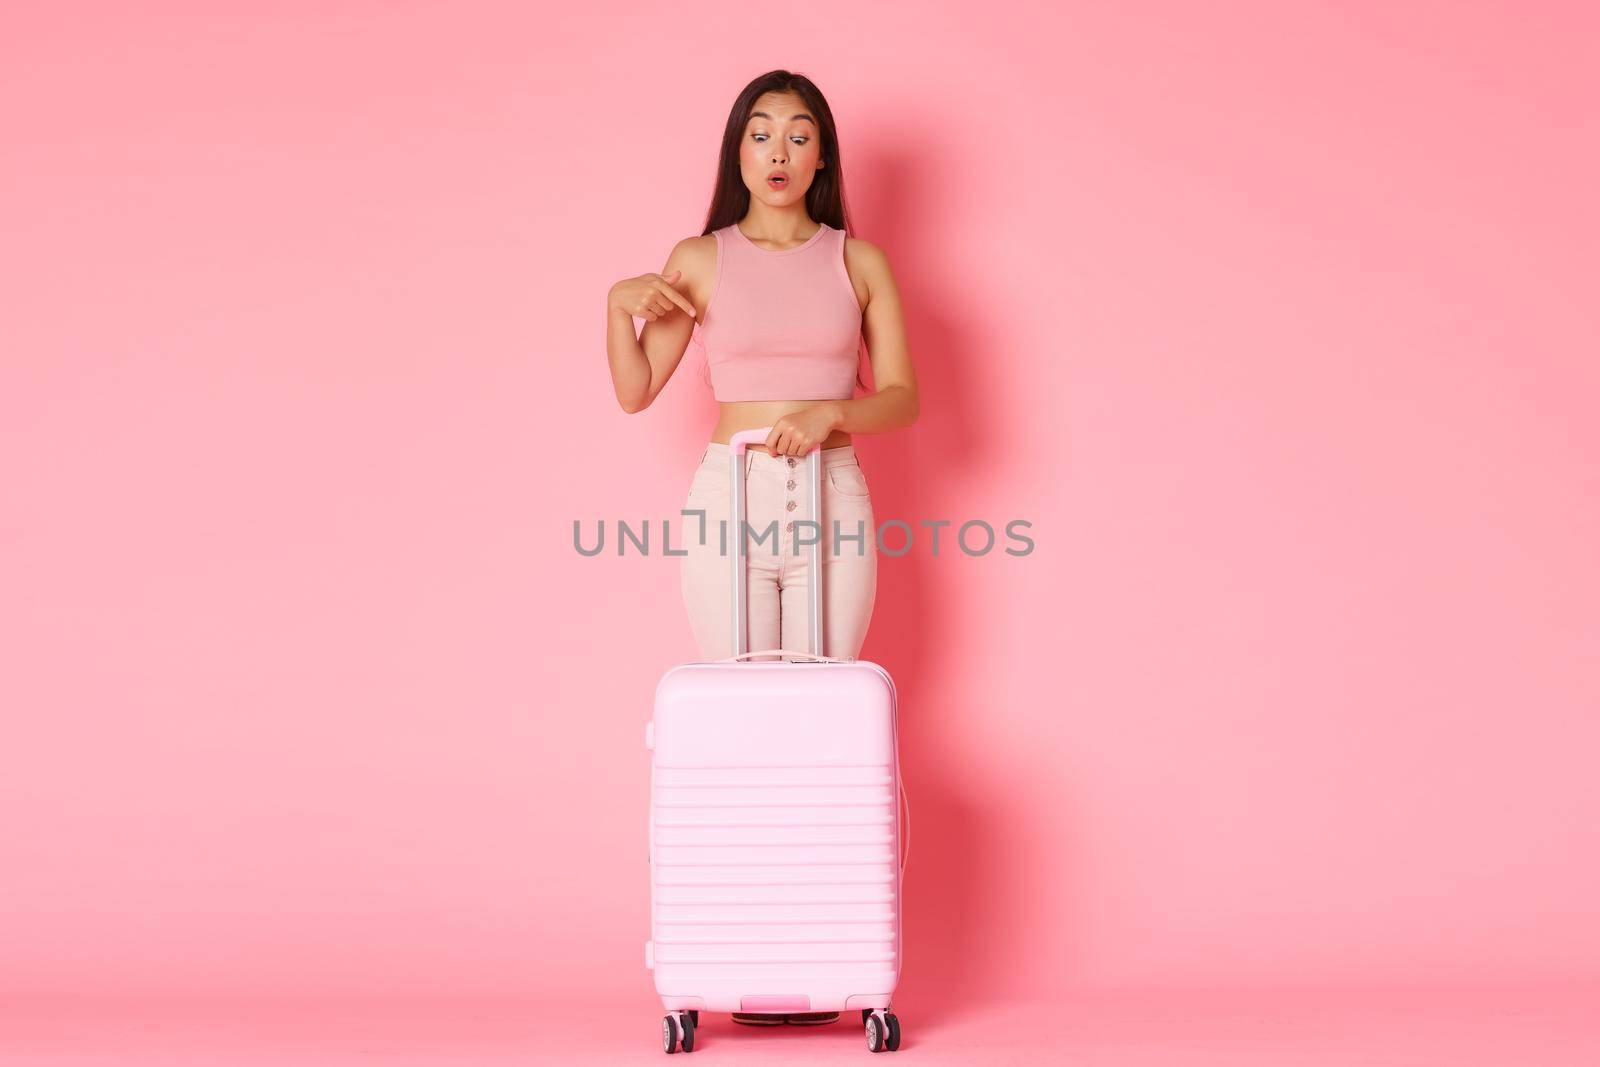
(1551,1027)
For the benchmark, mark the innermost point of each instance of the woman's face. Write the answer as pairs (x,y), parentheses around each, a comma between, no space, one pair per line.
(781,139)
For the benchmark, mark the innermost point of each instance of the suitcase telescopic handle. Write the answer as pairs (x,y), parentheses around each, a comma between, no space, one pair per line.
(737,445)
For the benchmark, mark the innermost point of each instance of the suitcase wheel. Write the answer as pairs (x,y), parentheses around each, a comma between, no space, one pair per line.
(678,1032)
(883,1030)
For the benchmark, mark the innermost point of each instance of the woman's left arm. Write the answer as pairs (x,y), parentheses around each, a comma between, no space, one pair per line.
(894,404)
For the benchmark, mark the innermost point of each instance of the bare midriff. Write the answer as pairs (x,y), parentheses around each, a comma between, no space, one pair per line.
(737,415)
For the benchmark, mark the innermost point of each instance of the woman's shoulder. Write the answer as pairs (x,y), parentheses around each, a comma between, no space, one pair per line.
(866,261)
(698,244)
(696,257)
(692,253)
(861,250)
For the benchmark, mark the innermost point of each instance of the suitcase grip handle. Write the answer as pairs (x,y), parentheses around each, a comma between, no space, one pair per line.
(744,438)
(905,808)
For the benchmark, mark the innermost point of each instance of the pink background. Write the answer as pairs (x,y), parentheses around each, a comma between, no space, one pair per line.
(1277,322)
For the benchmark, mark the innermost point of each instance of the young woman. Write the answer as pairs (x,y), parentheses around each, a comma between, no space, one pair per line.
(782,301)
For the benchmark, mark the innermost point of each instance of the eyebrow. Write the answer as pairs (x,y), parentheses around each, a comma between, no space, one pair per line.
(797,117)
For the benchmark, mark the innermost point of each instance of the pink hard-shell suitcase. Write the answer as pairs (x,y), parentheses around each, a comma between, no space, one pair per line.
(775,807)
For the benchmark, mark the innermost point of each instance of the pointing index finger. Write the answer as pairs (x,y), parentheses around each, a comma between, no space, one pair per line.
(675,296)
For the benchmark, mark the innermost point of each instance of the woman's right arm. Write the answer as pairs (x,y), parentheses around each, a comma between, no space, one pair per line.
(641,365)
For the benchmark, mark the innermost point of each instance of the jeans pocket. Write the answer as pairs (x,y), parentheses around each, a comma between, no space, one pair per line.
(850,533)
(709,478)
(848,481)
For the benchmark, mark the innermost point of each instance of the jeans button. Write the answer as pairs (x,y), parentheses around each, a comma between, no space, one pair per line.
(789,506)
(791,461)
(790,484)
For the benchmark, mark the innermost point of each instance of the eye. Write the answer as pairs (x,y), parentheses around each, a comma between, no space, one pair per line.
(799,140)
(757,136)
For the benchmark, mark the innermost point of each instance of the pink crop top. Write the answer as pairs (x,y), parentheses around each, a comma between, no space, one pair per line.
(781,325)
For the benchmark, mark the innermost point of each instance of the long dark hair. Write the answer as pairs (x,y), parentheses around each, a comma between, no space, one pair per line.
(824,199)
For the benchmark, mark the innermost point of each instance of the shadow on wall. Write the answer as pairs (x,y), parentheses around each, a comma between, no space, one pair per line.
(957,880)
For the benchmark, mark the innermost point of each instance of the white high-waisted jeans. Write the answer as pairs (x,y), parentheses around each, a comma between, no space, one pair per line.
(776,497)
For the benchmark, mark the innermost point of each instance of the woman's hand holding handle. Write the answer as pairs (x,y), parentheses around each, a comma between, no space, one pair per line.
(803,431)
(649,296)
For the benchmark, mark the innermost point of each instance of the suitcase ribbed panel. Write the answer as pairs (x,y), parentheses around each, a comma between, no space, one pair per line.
(775,877)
